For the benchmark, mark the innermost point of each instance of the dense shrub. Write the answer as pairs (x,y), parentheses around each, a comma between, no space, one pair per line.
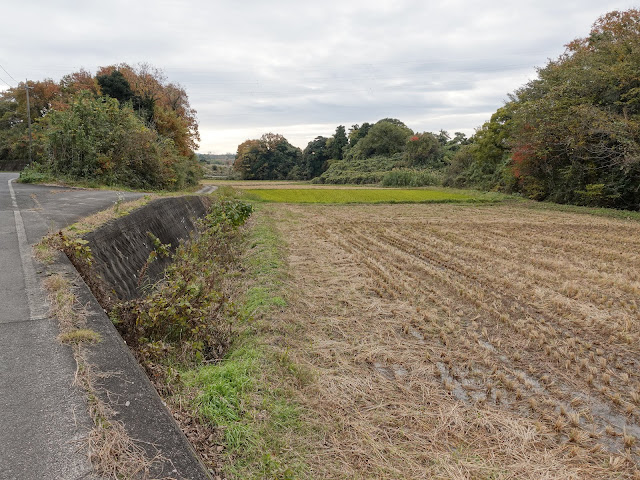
(126,126)
(358,171)
(411,178)
(187,314)
(98,140)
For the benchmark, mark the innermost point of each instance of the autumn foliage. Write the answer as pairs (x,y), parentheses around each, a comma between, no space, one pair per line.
(123,126)
(572,135)
(271,157)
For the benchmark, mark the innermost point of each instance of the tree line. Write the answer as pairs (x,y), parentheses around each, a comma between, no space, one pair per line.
(124,126)
(347,157)
(571,135)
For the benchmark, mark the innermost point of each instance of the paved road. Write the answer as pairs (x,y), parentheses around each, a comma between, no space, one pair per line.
(43,419)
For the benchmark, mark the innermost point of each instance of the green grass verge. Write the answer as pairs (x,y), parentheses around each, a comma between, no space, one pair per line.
(363,195)
(249,394)
(596,211)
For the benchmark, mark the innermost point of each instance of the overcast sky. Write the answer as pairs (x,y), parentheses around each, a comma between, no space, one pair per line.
(302,68)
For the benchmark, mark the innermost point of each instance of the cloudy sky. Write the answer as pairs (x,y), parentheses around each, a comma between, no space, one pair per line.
(302,68)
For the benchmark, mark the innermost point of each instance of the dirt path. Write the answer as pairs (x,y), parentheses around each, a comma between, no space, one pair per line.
(467,342)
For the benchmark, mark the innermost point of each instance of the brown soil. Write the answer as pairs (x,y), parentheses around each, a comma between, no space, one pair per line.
(456,341)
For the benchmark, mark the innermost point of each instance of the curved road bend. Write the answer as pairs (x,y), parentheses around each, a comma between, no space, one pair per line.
(43,418)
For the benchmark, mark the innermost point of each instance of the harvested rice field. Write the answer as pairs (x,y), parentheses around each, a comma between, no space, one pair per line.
(464,341)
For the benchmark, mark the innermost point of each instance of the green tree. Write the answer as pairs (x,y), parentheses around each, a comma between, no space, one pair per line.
(271,157)
(358,132)
(315,157)
(249,161)
(424,149)
(115,86)
(485,160)
(338,143)
(13,128)
(385,138)
(14,139)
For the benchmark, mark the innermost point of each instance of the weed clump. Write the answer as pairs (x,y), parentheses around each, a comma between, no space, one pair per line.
(187,313)
(80,335)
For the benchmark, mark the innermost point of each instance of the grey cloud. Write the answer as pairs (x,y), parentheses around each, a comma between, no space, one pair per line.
(254,64)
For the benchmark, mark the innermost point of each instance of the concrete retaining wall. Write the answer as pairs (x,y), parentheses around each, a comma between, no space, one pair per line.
(121,248)
(12,165)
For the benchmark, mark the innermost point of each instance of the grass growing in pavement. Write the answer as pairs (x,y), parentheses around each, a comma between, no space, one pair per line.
(362,195)
(80,335)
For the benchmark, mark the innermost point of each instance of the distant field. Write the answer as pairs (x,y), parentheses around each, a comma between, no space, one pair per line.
(361,195)
(254,183)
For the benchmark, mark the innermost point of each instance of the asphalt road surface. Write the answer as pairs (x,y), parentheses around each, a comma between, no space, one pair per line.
(43,417)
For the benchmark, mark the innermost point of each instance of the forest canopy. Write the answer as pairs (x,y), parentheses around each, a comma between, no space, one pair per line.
(124,126)
(572,135)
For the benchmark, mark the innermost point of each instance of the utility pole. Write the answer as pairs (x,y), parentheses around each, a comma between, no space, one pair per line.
(26,87)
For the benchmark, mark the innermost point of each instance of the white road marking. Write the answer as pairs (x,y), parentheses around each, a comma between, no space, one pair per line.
(37,306)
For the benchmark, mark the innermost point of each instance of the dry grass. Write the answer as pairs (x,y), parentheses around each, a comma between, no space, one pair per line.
(92,222)
(455,341)
(113,454)
(80,335)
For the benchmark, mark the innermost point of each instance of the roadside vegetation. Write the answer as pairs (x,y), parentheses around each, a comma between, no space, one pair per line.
(249,396)
(203,336)
(124,126)
(112,453)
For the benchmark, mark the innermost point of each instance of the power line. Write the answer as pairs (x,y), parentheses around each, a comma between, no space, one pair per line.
(5,71)
(3,81)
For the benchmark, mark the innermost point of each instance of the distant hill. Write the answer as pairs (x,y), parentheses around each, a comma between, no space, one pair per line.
(218,159)
(216,166)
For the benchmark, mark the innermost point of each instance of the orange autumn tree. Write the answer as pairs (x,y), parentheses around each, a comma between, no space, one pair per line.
(78,134)
(164,104)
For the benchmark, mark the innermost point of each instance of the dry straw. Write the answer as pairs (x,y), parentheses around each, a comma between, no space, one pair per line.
(465,342)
